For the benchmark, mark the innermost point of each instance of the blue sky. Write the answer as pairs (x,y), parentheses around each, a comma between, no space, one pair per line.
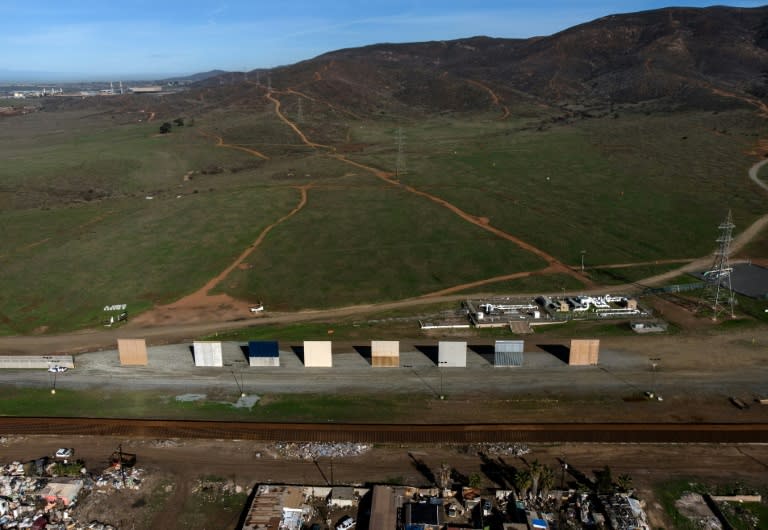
(113,39)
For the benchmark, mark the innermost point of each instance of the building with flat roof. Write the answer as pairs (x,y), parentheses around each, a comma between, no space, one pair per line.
(64,491)
(385,504)
(275,508)
(423,515)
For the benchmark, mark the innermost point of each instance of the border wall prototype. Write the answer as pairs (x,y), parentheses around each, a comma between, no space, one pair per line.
(36,361)
(385,353)
(317,354)
(133,352)
(584,352)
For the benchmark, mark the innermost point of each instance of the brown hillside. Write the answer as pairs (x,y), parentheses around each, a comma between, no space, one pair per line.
(673,52)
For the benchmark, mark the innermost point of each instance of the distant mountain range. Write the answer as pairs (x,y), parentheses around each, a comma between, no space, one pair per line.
(689,54)
(18,77)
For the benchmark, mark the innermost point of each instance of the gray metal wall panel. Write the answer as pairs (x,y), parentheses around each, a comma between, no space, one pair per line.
(452,354)
(510,346)
(514,358)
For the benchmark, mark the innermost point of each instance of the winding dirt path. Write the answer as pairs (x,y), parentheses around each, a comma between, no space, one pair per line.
(220,143)
(641,263)
(293,126)
(494,97)
(328,104)
(470,285)
(761,107)
(754,172)
(202,300)
(481,222)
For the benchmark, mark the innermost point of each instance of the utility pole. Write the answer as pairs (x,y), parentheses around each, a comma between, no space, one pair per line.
(718,293)
(400,166)
(654,364)
(564,468)
(442,395)
(582,260)
(300,112)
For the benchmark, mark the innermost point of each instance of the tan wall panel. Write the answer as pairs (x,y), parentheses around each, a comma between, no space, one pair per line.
(133,352)
(385,353)
(584,352)
(385,362)
(317,353)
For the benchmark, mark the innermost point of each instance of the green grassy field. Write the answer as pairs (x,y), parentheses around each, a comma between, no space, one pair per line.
(625,275)
(78,230)
(627,189)
(149,405)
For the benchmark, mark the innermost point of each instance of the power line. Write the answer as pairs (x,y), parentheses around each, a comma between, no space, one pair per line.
(718,292)
(400,165)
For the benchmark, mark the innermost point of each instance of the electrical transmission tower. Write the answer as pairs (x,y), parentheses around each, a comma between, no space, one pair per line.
(300,112)
(718,294)
(400,167)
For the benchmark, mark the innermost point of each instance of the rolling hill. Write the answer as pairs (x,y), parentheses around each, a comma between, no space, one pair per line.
(675,52)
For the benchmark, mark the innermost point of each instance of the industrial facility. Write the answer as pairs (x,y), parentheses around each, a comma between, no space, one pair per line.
(521,315)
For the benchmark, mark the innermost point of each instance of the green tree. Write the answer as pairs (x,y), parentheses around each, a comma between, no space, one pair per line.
(624,482)
(536,470)
(522,483)
(547,480)
(179,122)
(165,128)
(475,479)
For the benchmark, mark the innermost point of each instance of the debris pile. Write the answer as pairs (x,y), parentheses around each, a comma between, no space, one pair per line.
(96,525)
(25,487)
(213,488)
(115,478)
(164,443)
(503,449)
(312,451)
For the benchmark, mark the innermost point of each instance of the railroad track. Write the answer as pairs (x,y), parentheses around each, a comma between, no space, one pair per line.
(379,433)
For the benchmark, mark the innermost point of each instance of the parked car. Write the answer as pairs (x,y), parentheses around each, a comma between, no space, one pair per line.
(64,453)
(57,369)
(345,523)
